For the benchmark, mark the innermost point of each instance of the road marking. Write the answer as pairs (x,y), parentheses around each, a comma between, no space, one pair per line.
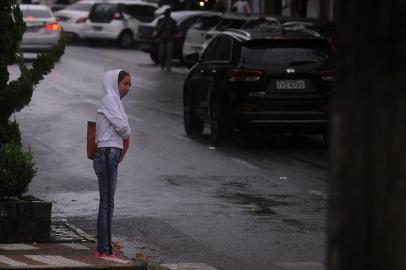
(189,266)
(117,260)
(74,246)
(301,265)
(247,164)
(11,262)
(55,260)
(17,247)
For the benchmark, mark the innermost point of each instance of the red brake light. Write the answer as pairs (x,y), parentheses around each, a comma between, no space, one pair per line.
(117,16)
(327,75)
(81,20)
(244,75)
(52,27)
(29,18)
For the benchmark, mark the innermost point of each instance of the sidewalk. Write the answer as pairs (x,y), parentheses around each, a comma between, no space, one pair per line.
(70,249)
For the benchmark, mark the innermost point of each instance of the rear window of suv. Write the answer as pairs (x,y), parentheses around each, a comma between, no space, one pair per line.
(80,6)
(36,13)
(103,12)
(286,52)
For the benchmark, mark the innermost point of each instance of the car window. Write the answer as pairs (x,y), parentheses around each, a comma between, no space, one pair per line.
(102,12)
(285,52)
(230,23)
(259,23)
(186,24)
(210,50)
(206,23)
(80,6)
(143,13)
(36,13)
(223,49)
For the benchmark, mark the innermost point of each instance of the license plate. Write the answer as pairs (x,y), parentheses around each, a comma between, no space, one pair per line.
(97,28)
(290,84)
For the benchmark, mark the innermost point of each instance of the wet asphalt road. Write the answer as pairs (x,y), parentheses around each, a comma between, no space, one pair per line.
(254,203)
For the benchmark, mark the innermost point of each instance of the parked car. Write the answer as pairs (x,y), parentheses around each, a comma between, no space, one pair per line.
(42,32)
(118,20)
(61,4)
(272,78)
(200,34)
(73,18)
(149,42)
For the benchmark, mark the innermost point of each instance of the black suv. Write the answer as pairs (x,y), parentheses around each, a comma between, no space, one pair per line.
(276,77)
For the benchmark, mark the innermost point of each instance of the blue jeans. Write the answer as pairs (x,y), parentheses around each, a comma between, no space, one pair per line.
(165,53)
(105,163)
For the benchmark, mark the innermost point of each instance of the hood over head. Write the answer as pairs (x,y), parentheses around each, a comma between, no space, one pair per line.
(110,83)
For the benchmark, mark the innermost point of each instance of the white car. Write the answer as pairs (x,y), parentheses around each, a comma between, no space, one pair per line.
(73,18)
(42,32)
(203,31)
(118,20)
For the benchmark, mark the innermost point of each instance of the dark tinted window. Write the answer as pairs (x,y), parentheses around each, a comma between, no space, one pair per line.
(259,23)
(206,23)
(102,12)
(285,52)
(210,50)
(223,49)
(80,6)
(186,24)
(36,13)
(141,12)
(230,23)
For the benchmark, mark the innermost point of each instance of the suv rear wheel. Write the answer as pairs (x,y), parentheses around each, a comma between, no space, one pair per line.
(125,40)
(218,126)
(192,124)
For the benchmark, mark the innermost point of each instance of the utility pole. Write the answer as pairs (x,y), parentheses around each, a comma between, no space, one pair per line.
(367,217)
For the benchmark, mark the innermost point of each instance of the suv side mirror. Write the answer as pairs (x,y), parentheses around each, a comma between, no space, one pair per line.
(192,58)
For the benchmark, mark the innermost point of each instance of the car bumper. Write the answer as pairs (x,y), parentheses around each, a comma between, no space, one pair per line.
(312,120)
(73,29)
(34,43)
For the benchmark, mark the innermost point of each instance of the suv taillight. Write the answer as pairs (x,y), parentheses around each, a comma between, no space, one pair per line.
(52,27)
(244,75)
(117,16)
(327,75)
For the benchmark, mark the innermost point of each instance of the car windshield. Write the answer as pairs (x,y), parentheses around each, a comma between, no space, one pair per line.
(36,13)
(80,6)
(285,52)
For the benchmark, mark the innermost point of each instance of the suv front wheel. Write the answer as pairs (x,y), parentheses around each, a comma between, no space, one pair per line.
(218,124)
(192,124)
(125,40)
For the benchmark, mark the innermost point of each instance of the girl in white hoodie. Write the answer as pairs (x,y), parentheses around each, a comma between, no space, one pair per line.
(111,128)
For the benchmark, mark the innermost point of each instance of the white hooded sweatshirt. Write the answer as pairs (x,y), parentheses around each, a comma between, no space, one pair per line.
(111,120)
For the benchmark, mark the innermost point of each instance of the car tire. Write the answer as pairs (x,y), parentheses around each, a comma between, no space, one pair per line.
(125,40)
(192,124)
(218,128)
(154,54)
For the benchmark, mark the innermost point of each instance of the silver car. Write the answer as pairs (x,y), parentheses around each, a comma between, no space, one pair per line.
(42,32)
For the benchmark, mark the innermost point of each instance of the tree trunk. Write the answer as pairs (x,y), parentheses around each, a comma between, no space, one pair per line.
(367,219)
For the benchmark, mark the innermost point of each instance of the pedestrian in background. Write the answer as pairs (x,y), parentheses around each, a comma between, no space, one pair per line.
(111,128)
(166,32)
(241,7)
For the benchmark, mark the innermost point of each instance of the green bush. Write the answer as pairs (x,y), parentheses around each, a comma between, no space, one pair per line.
(17,168)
